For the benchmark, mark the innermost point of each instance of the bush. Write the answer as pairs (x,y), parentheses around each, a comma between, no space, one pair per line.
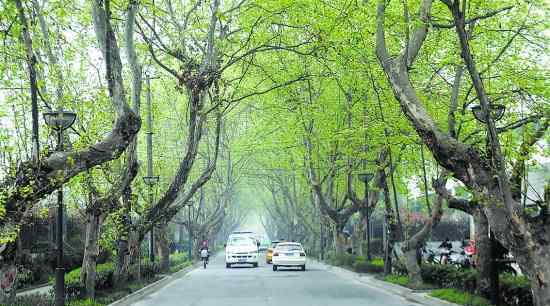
(343,260)
(397,279)
(459,297)
(149,270)
(33,300)
(398,267)
(25,277)
(515,290)
(374,266)
(448,276)
(47,300)
(87,302)
(177,259)
(104,280)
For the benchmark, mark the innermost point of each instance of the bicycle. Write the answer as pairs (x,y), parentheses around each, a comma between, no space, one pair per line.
(204,257)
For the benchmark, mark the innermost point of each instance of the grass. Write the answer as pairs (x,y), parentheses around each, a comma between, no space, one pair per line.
(401,280)
(459,297)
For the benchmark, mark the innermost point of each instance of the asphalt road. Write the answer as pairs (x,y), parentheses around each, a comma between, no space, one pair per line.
(247,286)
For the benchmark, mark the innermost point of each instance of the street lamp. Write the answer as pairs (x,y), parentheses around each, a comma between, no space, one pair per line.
(151,181)
(366,178)
(59,121)
(496,111)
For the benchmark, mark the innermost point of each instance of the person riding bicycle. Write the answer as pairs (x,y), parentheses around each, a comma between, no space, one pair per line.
(204,250)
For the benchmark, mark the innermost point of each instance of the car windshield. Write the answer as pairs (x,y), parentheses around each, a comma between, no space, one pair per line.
(240,241)
(289,247)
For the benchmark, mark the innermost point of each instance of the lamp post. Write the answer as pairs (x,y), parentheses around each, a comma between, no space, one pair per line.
(59,121)
(190,238)
(496,111)
(151,181)
(366,178)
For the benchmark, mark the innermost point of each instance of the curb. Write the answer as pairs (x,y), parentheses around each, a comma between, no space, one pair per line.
(420,297)
(147,290)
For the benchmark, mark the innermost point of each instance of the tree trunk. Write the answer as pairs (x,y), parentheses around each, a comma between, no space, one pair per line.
(134,257)
(358,235)
(8,273)
(413,246)
(91,251)
(483,252)
(121,263)
(540,291)
(162,242)
(413,269)
(339,241)
(391,227)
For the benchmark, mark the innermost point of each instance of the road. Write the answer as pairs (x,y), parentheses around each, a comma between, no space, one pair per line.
(246,286)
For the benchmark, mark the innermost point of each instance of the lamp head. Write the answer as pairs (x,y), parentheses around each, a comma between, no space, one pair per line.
(150,180)
(496,110)
(60,120)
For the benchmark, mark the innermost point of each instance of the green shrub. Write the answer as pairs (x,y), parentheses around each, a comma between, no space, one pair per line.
(345,260)
(104,280)
(447,276)
(86,302)
(459,297)
(364,266)
(25,277)
(398,267)
(174,269)
(378,262)
(515,290)
(177,259)
(397,279)
(33,300)
(149,270)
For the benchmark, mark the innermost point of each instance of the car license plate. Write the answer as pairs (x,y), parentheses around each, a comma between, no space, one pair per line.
(242,259)
(289,254)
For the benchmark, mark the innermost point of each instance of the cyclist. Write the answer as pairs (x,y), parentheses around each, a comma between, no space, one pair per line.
(204,250)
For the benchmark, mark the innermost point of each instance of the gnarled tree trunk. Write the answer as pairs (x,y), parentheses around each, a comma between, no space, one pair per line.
(413,246)
(134,256)
(162,242)
(339,241)
(91,252)
(483,251)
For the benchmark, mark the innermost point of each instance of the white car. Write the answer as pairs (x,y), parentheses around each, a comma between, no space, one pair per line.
(289,254)
(241,250)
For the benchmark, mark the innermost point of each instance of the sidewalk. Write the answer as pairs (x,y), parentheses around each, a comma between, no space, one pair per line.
(421,297)
(44,289)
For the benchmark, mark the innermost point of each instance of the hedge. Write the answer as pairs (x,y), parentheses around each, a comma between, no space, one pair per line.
(47,300)
(362,265)
(459,297)
(514,290)
(104,280)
